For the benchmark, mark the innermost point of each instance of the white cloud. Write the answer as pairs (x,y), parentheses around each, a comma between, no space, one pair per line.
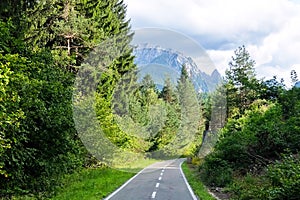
(220,58)
(231,19)
(270,29)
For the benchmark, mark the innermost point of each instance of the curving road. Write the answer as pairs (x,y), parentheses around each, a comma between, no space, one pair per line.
(161,181)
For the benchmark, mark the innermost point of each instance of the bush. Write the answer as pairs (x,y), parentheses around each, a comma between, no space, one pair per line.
(281,181)
(249,187)
(215,171)
(39,144)
(285,178)
(196,161)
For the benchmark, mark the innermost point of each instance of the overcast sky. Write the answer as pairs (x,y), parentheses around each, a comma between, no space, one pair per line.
(270,29)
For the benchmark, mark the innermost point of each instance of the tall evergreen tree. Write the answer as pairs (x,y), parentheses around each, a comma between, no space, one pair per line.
(241,83)
(191,116)
(168,93)
(116,28)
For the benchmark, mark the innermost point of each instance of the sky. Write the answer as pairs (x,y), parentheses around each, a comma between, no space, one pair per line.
(269,29)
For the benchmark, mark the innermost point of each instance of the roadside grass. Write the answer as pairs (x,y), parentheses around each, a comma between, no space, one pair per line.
(95,184)
(86,184)
(198,187)
(136,165)
(90,184)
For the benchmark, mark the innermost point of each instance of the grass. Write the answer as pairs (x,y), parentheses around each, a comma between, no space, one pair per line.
(136,165)
(94,183)
(90,184)
(198,187)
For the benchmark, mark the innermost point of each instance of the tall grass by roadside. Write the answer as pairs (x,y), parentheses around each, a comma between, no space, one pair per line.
(90,184)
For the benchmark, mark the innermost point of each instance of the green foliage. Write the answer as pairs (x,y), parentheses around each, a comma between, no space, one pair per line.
(281,181)
(191,123)
(38,41)
(41,134)
(8,43)
(241,83)
(249,187)
(168,92)
(253,140)
(10,113)
(263,121)
(215,171)
(272,89)
(285,178)
(199,188)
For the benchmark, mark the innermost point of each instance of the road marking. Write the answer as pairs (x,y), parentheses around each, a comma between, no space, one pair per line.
(124,185)
(187,183)
(157,185)
(161,173)
(163,170)
(153,195)
(159,178)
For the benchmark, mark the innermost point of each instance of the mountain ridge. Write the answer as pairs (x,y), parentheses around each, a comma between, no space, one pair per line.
(147,55)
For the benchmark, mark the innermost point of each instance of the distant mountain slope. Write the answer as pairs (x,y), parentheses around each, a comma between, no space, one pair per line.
(158,62)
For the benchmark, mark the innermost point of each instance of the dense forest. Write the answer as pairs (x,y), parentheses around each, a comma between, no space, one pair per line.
(42,45)
(45,45)
(257,152)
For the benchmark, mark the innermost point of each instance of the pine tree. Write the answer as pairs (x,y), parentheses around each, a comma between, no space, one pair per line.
(110,16)
(190,113)
(168,93)
(62,29)
(241,83)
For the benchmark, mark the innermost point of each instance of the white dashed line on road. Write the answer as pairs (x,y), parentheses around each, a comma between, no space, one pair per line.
(153,195)
(157,185)
(160,178)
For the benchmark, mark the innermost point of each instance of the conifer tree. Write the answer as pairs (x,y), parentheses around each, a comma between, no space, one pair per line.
(168,93)
(241,83)
(190,111)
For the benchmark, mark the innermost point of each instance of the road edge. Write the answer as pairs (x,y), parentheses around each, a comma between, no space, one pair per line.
(124,185)
(187,183)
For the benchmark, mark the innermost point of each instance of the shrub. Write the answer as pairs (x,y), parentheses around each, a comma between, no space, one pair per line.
(215,171)
(196,161)
(249,187)
(281,181)
(285,178)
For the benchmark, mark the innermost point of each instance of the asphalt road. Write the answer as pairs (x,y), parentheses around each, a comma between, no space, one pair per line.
(160,181)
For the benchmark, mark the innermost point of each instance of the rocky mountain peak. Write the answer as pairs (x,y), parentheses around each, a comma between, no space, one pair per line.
(153,57)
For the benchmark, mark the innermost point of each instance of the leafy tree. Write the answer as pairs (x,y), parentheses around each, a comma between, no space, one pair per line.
(43,138)
(14,12)
(262,124)
(272,89)
(8,42)
(10,113)
(40,133)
